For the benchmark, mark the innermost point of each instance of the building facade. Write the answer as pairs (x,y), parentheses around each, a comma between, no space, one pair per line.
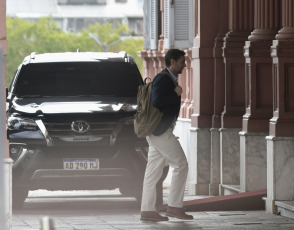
(237,115)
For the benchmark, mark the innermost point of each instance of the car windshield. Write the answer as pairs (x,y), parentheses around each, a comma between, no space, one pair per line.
(118,79)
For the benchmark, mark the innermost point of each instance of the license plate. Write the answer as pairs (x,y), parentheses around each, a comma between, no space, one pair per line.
(80,163)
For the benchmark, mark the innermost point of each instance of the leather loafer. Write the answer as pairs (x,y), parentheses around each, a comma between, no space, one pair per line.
(152,216)
(178,213)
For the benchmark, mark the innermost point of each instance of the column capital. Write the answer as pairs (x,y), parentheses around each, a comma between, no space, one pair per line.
(266,20)
(263,34)
(287,32)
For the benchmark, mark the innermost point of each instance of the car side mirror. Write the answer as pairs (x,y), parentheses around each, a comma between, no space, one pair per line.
(6,93)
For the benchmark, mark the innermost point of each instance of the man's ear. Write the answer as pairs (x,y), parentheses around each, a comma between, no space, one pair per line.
(172,61)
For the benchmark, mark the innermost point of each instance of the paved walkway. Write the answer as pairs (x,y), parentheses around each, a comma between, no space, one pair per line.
(86,210)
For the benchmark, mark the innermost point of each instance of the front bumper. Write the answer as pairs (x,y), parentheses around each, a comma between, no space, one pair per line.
(42,168)
(59,179)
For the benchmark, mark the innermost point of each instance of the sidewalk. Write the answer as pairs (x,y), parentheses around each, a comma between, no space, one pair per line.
(95,210)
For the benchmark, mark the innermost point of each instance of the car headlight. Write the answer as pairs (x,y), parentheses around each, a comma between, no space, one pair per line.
(19,123)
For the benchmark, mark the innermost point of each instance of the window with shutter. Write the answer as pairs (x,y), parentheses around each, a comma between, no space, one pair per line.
(178,24)
(146,8)
(168,15)
(153,24)
(150,24)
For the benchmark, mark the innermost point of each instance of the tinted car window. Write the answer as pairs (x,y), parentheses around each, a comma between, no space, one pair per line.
(118,79)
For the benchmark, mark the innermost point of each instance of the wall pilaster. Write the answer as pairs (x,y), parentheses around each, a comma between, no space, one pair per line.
(240,26)
(282,123)
(258,91)
(258,72)
(203,90)
(219,98)
(280,141)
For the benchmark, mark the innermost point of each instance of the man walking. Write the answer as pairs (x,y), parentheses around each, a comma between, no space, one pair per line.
(164,148)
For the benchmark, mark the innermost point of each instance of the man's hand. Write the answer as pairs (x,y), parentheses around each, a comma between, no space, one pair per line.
(178,90)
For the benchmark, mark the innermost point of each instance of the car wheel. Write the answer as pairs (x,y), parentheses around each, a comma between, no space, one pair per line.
(134,188)
(18,197)
(131,190)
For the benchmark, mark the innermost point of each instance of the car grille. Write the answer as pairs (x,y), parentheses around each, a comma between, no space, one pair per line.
(61,129)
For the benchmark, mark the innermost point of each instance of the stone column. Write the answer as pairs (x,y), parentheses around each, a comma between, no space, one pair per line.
(203,74)
(5,161)
(240,25)
(219,99)
(280,142)
(258,89)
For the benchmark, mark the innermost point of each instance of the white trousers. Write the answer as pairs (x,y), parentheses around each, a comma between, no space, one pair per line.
(164,150)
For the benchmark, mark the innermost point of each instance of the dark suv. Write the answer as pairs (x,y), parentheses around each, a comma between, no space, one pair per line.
(70,124)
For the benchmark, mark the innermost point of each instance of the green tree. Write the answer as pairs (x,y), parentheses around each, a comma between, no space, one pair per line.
(44,36)
(110,39)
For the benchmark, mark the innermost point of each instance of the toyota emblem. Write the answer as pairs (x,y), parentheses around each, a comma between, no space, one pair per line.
(80,126)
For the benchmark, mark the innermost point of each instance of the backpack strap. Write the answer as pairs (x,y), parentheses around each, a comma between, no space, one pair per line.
(147,79)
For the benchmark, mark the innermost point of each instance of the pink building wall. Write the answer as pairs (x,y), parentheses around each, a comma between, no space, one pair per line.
(3,41)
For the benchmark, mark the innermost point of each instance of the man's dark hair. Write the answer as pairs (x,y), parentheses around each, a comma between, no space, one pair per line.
(175,54)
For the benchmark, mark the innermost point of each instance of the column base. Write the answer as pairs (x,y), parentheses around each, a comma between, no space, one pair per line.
(253,163)
(198,189)
(230,156)
(214,162)
(270,206)
(280,177)
(199,161)
(214,189)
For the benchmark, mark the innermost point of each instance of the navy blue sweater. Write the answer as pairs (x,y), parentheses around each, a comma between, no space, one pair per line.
(166,100)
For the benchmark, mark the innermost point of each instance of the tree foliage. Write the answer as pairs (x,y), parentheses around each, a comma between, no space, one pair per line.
(44,36)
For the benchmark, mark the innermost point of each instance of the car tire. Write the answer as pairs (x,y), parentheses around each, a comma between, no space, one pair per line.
(134,188)
(18,197)
(131,190)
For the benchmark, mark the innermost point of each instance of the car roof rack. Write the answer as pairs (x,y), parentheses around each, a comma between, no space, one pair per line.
(32,56)
(124,55)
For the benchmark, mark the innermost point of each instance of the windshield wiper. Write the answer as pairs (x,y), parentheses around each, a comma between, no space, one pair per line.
(36,95)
